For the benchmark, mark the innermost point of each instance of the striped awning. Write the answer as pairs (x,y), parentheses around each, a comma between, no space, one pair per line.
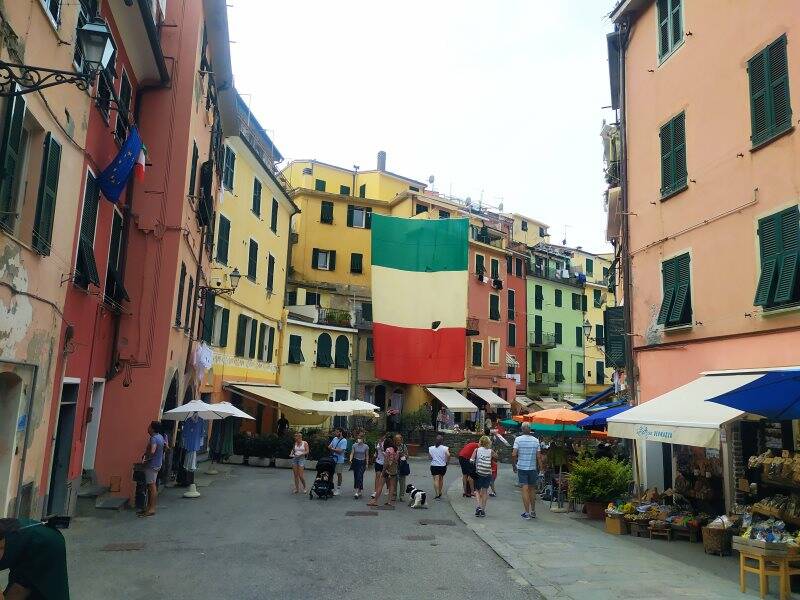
(511,360)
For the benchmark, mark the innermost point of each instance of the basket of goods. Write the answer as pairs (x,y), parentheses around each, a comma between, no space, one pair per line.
(767,537)
(718,536)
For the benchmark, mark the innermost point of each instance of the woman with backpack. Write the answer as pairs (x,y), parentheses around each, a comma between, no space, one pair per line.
(482,458)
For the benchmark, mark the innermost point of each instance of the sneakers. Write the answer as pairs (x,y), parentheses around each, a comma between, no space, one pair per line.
(336,492)
(492,494)
(526,516)
(533,514)
(356,495)
(479,512)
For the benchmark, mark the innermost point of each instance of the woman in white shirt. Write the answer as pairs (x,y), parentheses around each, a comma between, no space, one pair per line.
(440,455)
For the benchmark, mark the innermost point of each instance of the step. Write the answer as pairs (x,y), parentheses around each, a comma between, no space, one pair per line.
(92,490)
(109,502)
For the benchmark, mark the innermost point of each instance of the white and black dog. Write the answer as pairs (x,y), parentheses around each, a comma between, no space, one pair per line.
(416,497)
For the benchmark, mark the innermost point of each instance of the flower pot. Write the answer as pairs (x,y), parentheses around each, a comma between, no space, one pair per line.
(283,463)
(596,510)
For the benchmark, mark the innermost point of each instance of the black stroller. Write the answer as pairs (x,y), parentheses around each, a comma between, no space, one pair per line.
(323,484)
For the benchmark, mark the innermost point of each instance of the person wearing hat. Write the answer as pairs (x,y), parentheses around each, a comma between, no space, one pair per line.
(36,558)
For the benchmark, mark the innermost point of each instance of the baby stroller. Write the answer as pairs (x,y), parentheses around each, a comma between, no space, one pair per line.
(323,484)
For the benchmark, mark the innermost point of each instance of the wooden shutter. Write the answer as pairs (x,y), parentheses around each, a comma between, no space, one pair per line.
(223,240)
(362,190)
(477,351)
(223,330)
(252,260)
(241,334)
(315,258)
(350,211)
(187,320)
(270,272)
(682,305)
(319,185)
(666,158)
(559,367)
(509,264)
(669,278)
(779,85)
(558,333)
(759,105)
(679,172)
(663,28)
(512,335)
(370,349)
(589,266)
(557,298)
(115,288)
(494,307)
(326,212)
(48,190)
(367,218)
(538,297)
(598,335)
(480,267)
(676,23)
(599,372)
(324,358)
(253,337)
(193,169)
(181,283)
(770,251)
(9,157)
(614,326)
(342,360)
(274,218)
(356,265)
(262,337)
(366,311)
(331,260)
(787,271)
(270,344)
(578,336)
(208,317)
(579,373)
(584,303)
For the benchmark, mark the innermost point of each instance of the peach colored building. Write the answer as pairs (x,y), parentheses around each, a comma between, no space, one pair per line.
(710,104)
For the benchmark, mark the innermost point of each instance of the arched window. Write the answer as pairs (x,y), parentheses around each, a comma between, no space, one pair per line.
(324,350)
(342,352)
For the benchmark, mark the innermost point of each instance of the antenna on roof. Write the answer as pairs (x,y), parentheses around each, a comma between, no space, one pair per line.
(430,181)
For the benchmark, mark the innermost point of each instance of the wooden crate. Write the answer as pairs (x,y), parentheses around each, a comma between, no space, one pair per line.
(616,525)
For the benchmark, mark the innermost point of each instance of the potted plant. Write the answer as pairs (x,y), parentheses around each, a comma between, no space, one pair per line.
(412,423)
(597,481)
(283,451)
(243,447)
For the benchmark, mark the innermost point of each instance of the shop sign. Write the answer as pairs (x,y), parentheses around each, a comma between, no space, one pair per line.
(643,431)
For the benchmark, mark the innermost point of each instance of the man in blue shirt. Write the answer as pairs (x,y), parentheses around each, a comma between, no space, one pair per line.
(338,447)
(524,461)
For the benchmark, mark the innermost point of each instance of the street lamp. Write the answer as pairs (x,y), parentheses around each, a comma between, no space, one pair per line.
(587,329)
(234,277)
(94,42)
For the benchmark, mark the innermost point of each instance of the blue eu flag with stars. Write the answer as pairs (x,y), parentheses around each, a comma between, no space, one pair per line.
(113,179)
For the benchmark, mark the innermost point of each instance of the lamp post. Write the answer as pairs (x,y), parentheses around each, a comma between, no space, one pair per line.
(234,277)
(94,41)
(587,329)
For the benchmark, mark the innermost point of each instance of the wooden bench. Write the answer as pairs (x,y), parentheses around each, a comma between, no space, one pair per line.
(665,532)
(765,566)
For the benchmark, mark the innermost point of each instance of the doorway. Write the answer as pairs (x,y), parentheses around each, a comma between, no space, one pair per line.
(340,394)
(93,428)
(11,398)
(380,397)
(58,495)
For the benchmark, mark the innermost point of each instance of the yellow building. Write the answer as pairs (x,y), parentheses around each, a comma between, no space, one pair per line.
(528,231)
(252,237)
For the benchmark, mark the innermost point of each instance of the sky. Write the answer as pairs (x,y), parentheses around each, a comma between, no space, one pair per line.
(497,100)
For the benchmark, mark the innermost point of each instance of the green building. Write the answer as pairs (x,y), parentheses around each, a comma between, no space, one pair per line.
(556,311)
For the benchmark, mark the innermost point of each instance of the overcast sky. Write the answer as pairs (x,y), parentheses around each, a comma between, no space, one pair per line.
(502,99)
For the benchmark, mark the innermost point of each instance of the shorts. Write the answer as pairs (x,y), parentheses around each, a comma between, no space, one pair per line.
(340,467)
(467,468)
(438,470)
(378,468)
(299,462)
(482,482)
(150,475)
(527,477)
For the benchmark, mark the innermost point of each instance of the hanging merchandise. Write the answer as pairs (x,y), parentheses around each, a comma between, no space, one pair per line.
(203,358)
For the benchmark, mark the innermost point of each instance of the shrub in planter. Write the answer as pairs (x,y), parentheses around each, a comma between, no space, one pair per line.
(284,446)
(318,447)
(597,481)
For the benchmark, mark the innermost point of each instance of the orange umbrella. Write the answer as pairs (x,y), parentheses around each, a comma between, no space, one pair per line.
(557,416)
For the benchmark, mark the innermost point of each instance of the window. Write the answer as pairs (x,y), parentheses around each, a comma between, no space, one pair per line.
(252,260)
(770,109)
(542,232)
(256,208)
(366,311)
(324,358)
(512,335)
(312,299)
(362,191)
(589,267)
(86,267)
(494,307)
(187,317)
(223,239)
(778,247)
(670,26)
(228,169)
(370,349)
(105,85)
(270,344)
(42,233)
(559,371)
(494,352)
(605,273)
(262,341)
(598,335)
(576,301)
(614,334)
(324,260)
(676,307)
(420,208)
(326,212)
(557,299)
(512,297)
(538,297)
(342,357)
(219,335)
(273,220)
(559,334)
(291,298)
(495,268)
(600,374)
(319,185)
(443,214)
(518,268)
(246,332)
(673,156)
(524,226)
(181,283)
(114,286)
(578,336)
(509,264)
(579,378)
(597,298)
(480,267)
(584,302)
(121,126)
(413,188)
(295,352)
(356,262)
(359,217)
(344,190)
(53,8)
(270,273)
(477,354)
(193,170)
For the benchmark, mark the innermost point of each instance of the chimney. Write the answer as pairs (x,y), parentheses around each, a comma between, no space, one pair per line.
(381,161)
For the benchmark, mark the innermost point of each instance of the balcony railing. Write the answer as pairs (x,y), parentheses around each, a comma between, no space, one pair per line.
(334,316)
(561,275)
(541,339)
(543,379)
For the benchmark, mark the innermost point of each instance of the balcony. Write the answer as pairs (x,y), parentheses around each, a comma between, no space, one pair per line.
(472,326)
(549,271)
(334,316)
(541,340)
(543,379)
(363,321)
(487,235)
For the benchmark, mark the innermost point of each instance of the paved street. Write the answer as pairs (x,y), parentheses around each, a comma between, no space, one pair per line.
(249,537)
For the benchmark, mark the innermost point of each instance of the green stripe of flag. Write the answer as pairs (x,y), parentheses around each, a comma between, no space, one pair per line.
(420,244)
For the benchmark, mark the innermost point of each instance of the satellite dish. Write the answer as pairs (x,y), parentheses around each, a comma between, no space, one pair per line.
(430,179)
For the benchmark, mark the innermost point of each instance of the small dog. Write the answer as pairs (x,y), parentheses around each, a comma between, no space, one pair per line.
(416,497)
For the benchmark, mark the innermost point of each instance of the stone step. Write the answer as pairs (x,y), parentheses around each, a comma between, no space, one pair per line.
(91,490)
(109,502)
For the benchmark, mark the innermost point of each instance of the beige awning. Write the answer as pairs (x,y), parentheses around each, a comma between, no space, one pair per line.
(490,398)
(298,409)
(453,400)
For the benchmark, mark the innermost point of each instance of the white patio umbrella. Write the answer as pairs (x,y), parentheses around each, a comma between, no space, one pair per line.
(204,410)
(229,410)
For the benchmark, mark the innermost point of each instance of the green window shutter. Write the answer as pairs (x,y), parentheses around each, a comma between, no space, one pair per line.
(787,272)
(370,349)
(331,260)
(342,359)
(669,279)
(366,311)
(344,190)
(759,102)
(480,267)
(537,329)
(223,240)
(9,157)
(512,301)
(770,251)
(208,318)
(326,212)
(273,222)
(48,190)
(579,373)
(270,273)
(362,190)
(319,185)
(667,176)
(681,308)
(576,302)
(193,169)
(256,208)
(315,258)
(241,334)
(589,266)
(324,358)
(494,307)
(350,211)
(512,335)
(494,268)
(578,336)
(597,298)
(115,288)
(598,335)
(584,302)
(558,333)
(779,85)
(558,298)
(262,338)
(253,336)
(270,344)
(600,376)
(252,260)
(187,318)
(368,218)
(509,264)
(614,327)
(676,23)
(679,172)
(663,28)
(181,283)
(295,350)
(770,106)
(223,331)
(545,362)
(86,268)
(538,297)
(559,368)
(356,263)
(477,351)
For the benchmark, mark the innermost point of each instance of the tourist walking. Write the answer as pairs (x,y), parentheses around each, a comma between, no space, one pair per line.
(467,468)
(524,463)
(403,468)
(298,455)
(379,465)
(390,468)
(440,455)
(152,460)
(338,447)
(359,461)
(482,459)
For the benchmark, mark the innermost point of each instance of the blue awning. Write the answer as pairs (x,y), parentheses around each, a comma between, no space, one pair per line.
(775,395)
(592,399)
(600,419)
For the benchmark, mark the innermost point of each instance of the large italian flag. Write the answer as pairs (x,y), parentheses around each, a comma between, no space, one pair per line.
(419,298)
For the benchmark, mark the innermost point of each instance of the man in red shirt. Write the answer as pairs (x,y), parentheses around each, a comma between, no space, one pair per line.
(467,468)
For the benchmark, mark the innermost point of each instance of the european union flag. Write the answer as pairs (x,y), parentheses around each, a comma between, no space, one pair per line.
(113,179)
